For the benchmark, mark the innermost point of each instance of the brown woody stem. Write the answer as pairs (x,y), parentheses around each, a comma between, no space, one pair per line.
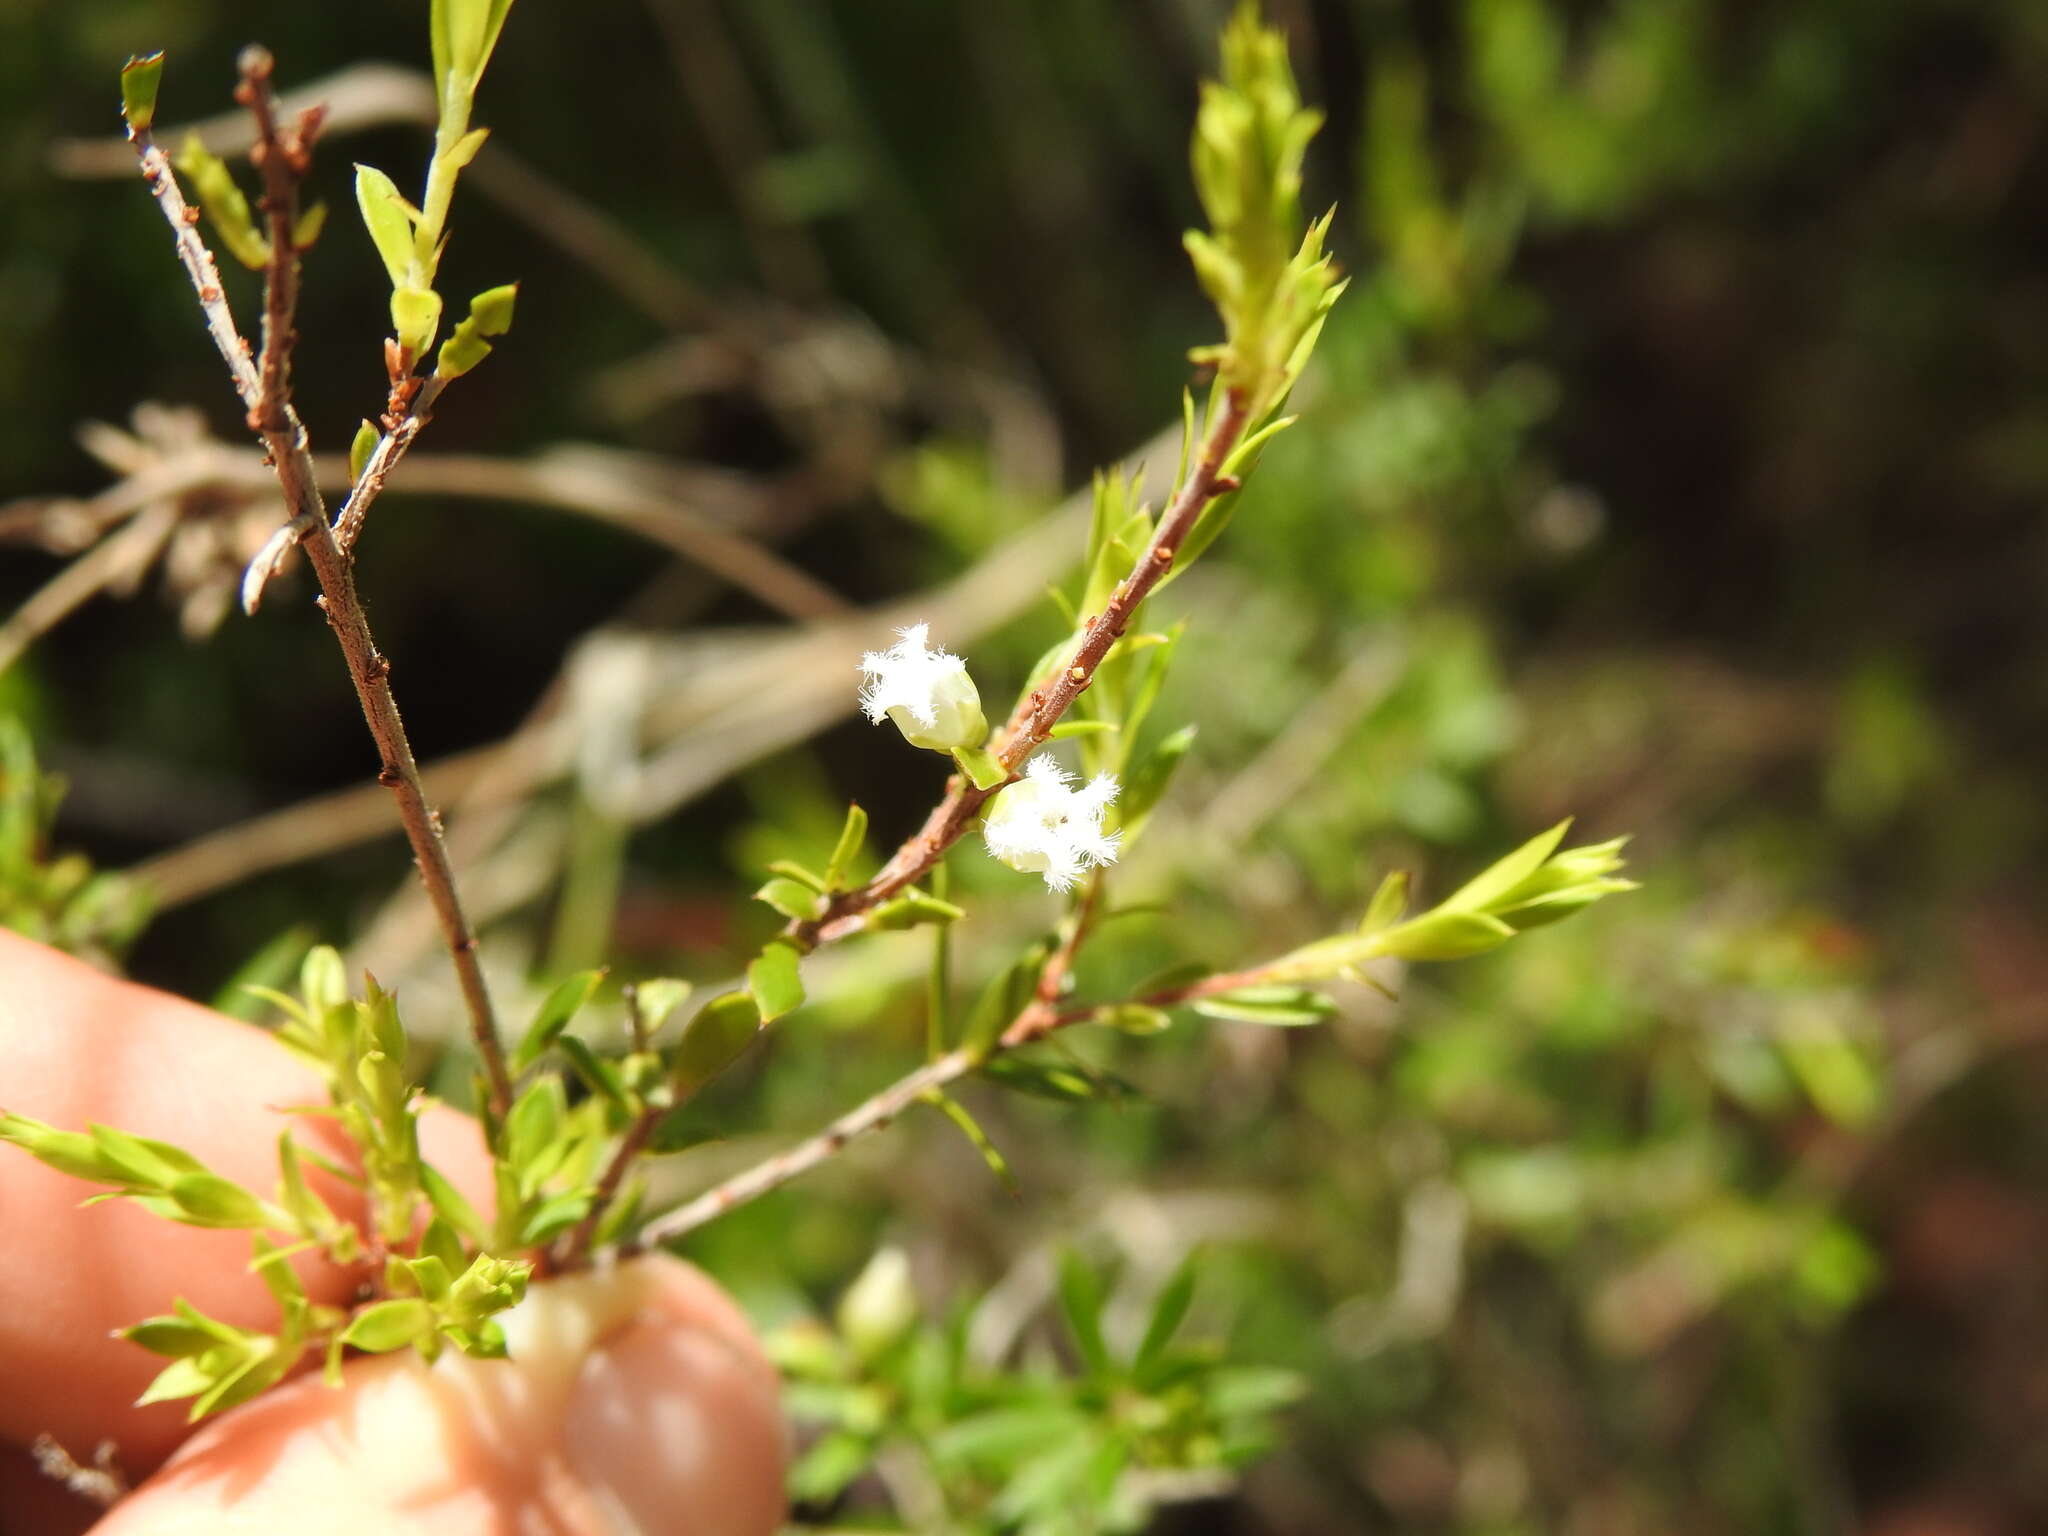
(266,393)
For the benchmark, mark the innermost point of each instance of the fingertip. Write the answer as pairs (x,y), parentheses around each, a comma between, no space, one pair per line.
(640,1404)
(673,1428)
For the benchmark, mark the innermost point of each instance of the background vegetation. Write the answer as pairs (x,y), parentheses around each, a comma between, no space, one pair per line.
(1675,461)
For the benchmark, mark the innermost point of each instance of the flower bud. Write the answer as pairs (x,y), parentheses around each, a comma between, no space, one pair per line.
(927,693)
(880,1306)
(1043,825)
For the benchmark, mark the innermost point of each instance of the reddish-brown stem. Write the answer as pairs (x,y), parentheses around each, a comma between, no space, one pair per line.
(265,393)
(576,1246)
(1031,722)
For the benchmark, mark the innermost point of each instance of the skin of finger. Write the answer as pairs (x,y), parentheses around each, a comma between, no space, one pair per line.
(77,1047)
(668,1423)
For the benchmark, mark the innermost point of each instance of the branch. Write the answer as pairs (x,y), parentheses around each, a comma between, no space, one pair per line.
(1031,722)
(274,420)
(763,1178)
(1039,1018)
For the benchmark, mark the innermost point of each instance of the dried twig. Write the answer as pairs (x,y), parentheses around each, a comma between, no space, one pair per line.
(103,1483)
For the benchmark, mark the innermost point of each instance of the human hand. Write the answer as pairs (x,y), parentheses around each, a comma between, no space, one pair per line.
(644,1405)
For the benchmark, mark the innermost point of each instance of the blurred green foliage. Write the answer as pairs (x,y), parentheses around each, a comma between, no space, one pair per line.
(1676,459)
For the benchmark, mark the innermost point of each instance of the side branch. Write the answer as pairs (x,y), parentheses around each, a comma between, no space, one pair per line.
(1031,722)
(876,1114)
(265,392)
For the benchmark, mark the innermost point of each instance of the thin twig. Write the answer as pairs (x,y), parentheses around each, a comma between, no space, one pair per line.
(115,559)
(576,1246)
(874,1115)
(278,425)
(1038,1018)
(369,485)
(1031,722)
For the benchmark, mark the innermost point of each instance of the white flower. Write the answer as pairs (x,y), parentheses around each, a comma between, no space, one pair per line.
(927,693)
(1043,825)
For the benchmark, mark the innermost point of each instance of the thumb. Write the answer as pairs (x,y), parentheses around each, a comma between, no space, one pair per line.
(636,1402)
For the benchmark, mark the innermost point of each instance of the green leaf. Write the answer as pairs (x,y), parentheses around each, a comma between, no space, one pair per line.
(809,878)
(1240,1390)
(1387,905)
(1002,1436)
(151,1164)
(226,208)
(443,1244)
(311,222)
(449,1204)
(656,998)
(274,1265)
(601,1076)
(979,1139)
(1280,1005)
(1132,1018)
(415,317)
(982,767)
(554,1216)
(270,966)
(1067,728)
(563,1003)
(490,314)
(389,219)
(140,78)
(535,1122)
(384,1326)
(910,909)
(1080,1290)
(792,900)
(70,1152)
(208,1200)
(1042,1079)
(774,981)
(825,1470)
(852,836)
(1500,878)
(1004,998)
(713,1040)
(360,448)
(171,1336)
(1442,935)
(465,33)
(1147,782)
(185,1377)
(1169,1311)
(323,979)
(1174,978)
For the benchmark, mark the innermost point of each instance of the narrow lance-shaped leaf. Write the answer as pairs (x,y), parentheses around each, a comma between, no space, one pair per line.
(1280,1005)
(562,1004)
(226,208)
(360,448)
(388,217)
(851,836)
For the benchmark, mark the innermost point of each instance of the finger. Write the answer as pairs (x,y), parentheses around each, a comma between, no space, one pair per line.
(77,1047)
(636,1402)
